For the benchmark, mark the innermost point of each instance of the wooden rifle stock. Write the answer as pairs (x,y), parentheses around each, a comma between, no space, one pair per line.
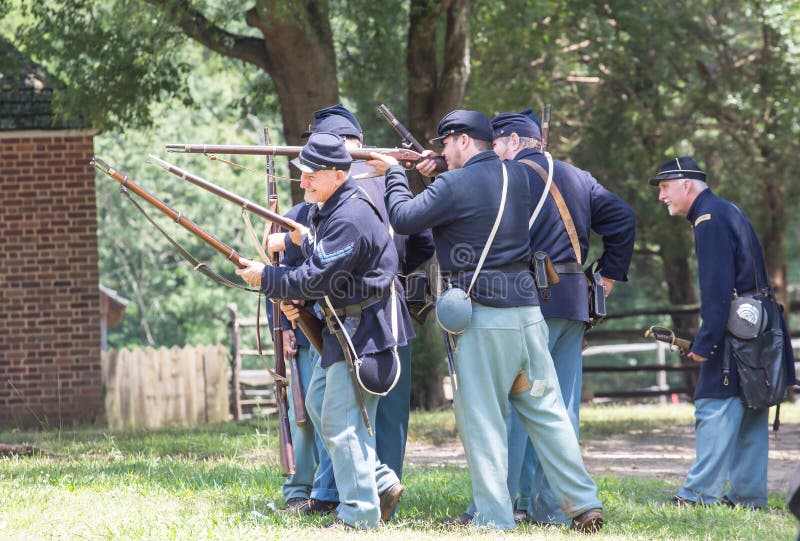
(243,202)
(284,430)
(408,140)
(308,323)
(405,156)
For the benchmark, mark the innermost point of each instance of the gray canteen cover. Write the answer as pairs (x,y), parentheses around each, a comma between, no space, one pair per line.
(454,310)
(747,318)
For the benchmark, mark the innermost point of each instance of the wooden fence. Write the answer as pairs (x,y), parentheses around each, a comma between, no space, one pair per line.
(152,388)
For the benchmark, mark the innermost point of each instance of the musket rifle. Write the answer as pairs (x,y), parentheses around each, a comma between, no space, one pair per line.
(546,127)
(308,322)
(408,141)
(405,156)
(277,332)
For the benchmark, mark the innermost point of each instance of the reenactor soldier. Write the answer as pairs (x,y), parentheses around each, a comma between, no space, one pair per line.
(350,268)
(731,439)
(576,204)
(391,422)
(505,336)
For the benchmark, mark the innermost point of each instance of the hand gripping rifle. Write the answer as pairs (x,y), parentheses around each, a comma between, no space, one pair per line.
(308,322)
(407,140)
(277,332)
(663,334)
(405,156)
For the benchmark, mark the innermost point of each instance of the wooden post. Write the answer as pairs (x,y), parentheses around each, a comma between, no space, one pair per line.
(236,362)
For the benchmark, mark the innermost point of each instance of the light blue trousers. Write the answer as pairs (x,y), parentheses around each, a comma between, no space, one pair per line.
(526,480)
(498,344)
(305,442)
(732,444)
(566,348)
(391,431)
(360,477)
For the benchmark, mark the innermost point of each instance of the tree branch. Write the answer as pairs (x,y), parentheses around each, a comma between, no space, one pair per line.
(196,25)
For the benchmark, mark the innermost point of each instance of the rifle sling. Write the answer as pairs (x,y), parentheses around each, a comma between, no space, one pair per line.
(198,265)
(566,217)
(339,332)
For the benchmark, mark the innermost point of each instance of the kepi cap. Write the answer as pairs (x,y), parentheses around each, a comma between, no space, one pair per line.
(473,123)
(335,119)
(683,167)
(505,124)
(530,114)
(323,151)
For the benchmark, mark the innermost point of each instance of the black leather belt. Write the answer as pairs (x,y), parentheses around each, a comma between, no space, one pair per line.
(570,267)
(509,268)
(351,309)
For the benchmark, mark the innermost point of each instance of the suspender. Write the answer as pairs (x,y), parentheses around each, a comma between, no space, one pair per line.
(566,217)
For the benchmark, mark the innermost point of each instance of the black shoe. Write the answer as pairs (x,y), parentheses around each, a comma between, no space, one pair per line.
(464,519)
(294,503)
(319,507)
(520,515)
(309,506)
(338,524)
(589,521)
(389,499)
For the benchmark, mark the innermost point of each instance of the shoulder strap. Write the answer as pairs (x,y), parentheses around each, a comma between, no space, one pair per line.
(566,217)
(494,229)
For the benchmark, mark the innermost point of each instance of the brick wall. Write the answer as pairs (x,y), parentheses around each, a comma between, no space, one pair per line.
(50,373)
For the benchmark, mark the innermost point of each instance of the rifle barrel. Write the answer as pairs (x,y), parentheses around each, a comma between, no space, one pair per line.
(176,216)
(308,322)
(401,154)
(246,204)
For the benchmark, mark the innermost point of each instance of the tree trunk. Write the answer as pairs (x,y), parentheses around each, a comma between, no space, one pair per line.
(434,89)
(301,64)
(297,53)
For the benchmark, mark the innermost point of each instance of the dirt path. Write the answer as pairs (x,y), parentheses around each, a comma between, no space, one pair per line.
(663,454)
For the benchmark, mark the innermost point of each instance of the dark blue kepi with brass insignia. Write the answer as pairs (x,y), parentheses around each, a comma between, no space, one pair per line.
(683,167)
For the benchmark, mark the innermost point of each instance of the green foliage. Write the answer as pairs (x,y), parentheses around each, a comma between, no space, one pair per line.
(122,55)
(370,57)
(632,83)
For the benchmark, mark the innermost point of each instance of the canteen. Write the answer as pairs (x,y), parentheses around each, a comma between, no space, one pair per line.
(454,310)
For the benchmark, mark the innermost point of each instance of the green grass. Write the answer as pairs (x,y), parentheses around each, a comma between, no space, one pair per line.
(220,482)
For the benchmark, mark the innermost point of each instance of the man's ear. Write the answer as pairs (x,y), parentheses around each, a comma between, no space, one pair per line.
(340,176)
(513,140)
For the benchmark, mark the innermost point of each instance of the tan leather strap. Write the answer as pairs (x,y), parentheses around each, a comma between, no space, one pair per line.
(566,217)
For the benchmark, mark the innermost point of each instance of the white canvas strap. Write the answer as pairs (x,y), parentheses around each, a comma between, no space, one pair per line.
(495,227)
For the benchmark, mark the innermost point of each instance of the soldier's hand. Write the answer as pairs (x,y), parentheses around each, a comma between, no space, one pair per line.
(381,162)
(296,235)
(695,357)
(291,309)
(426,167)
(608,284)
(251,272)
(276,242)
(289,343)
